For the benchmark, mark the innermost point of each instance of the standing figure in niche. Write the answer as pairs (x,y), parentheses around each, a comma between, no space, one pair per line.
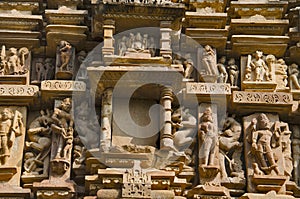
(209,60)
(293,76)
(222,70)
(208,139)
(11,125)
(260,67)
(13,62)
(233,71)
(261,143)
(49,69)
(40,69)
(65,49)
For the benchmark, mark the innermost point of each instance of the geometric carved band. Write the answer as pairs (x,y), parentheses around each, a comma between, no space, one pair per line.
(262,98)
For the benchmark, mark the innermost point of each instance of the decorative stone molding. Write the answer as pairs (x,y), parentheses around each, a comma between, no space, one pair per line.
(208,88)
(270,98)
(18,90)
(61,85)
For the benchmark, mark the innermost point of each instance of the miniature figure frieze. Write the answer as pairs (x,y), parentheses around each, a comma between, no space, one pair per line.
(208,64)
(11,126)
(231,152)
(267,152)
(38,146)
(14,61)
(233,72)
(136,43)
(65,60)
(62,137)
(44,69)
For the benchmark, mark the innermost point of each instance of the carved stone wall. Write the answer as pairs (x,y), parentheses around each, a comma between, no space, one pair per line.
(149,99)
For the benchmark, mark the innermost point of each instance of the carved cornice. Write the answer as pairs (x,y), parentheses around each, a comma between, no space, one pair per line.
(20,22)
(157,12)
(247,9)
(70,17)
(21,6)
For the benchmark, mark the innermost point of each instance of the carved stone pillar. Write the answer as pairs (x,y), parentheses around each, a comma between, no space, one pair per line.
(165,40)
(108,31)
(166,135)
(105,137)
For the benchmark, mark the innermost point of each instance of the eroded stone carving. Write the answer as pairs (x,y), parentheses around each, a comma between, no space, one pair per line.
(14,62)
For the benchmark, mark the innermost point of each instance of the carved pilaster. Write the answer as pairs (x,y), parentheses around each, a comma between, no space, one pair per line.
(165,40)
(108,30)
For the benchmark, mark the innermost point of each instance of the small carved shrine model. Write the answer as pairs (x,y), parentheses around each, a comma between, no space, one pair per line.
(149,99)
